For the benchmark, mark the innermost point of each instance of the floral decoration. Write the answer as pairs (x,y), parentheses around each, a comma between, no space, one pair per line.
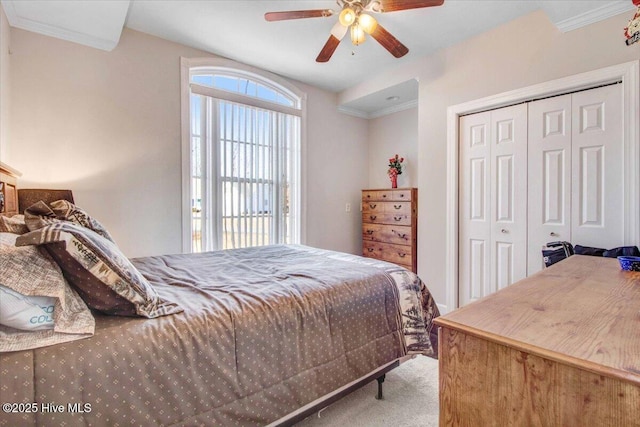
(395,166)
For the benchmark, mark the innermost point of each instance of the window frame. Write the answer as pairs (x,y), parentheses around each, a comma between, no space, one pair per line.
(232,68)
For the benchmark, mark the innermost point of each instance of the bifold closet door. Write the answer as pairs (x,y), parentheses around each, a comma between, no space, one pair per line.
(597,203)
(474,219)
(549,152)
(576,171)
(493,211)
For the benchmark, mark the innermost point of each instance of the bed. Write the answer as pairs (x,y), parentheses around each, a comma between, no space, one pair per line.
(262,334)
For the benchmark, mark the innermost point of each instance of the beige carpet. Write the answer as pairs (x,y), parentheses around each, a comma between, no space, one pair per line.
(410,400)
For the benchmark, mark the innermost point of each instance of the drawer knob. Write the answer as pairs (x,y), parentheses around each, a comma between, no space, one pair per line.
(504,231)
(372,217)
(384,196)
(370,249)
(372,205)
(397,206)
(553,234)
(401,195)
(369,232)
(397,218)
(401,255)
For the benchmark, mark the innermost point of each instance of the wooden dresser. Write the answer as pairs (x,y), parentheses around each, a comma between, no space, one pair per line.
(559,348)
(8,191)
(389,225)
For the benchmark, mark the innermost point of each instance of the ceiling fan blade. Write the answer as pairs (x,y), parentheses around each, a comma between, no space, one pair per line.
(392,44)
(328,49)
(337,33)
(297,14)
(395,5)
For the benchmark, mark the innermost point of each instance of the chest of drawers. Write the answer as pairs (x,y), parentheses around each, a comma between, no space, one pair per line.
(389,225)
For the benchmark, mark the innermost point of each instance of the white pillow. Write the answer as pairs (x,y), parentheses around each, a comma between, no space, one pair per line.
(27,313)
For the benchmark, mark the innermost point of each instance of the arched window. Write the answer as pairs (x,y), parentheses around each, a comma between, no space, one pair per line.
(244,146)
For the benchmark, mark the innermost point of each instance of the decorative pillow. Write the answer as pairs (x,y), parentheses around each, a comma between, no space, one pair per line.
(15,224)
(30,272)
(28,313)
(103,276)
(67,211)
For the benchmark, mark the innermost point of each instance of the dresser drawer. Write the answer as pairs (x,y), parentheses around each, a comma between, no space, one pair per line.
(386,207)
(398,254)
(401,195)
(386,195)
(373,206)
(386,218)
(376,195)
(397,234)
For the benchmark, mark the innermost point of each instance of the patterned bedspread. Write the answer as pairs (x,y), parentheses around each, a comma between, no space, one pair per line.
(264,331)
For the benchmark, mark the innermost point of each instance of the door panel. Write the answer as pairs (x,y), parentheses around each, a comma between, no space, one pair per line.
(591,189)
(597,168)
(505,264)
(505,191)
(508,196)
(549,184)
(474,207)
(477,266)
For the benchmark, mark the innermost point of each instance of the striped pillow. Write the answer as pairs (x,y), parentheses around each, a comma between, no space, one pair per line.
(105,279)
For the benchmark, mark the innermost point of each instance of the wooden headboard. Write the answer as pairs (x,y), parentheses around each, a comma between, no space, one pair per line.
(14,201)
(8,190)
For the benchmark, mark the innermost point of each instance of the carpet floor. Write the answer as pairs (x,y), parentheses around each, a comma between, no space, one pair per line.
(410,400)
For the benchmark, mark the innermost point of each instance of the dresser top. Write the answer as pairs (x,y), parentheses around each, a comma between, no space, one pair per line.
(583,311)
(390,189)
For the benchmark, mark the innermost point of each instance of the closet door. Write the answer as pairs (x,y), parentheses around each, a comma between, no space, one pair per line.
(508,196)
(493,203)
(474,207)
(549,152)
(597,168)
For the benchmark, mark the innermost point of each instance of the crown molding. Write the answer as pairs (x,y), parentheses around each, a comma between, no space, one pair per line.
(378,113)
(394,109)
(353,112)
(594,15)
(17,21)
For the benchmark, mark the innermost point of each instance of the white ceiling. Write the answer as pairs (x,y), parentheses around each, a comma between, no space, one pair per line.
(237,30)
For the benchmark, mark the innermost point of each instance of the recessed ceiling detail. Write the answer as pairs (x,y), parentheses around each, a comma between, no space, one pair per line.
(96,23)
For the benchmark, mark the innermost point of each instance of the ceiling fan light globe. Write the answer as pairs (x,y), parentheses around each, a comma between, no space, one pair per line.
(367,22)
(347,16)
(357,34)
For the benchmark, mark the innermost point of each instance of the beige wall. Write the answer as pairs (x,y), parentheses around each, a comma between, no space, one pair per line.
(107,126)
(5,87)
(392,134)
(523,52)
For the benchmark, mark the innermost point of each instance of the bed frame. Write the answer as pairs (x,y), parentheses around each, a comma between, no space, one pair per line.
(327,400)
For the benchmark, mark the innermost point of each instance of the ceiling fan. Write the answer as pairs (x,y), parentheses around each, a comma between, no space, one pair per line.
(355,15)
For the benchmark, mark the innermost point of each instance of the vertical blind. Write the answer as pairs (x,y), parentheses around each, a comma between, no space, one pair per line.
(245,164)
